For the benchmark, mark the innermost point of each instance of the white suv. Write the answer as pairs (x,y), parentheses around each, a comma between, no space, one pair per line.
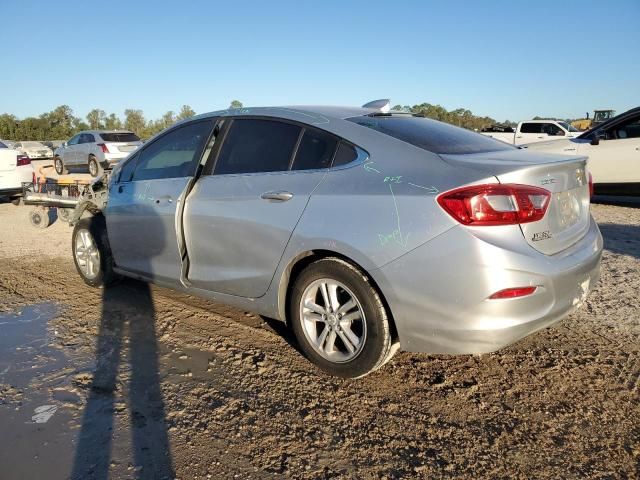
(97,149)
(15,169)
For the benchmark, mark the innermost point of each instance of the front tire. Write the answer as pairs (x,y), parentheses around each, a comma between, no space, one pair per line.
(339,319)
(59,166)
(92,253)
(95,169)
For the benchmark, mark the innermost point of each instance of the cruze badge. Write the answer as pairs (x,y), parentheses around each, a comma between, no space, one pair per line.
(541,236)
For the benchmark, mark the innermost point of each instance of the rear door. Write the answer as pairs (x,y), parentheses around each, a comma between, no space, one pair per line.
(238,219)
(142,223)
(532,132)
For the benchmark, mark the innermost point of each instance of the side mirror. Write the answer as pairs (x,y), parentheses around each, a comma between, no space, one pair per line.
(64,144)
(596,137)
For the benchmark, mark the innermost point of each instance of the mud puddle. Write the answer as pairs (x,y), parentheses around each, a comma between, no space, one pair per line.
(69,410)
(36,412)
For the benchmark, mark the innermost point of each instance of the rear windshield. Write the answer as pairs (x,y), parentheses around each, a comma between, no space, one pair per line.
(120,137)
(431,135)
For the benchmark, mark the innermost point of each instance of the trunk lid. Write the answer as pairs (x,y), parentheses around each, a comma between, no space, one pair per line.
(567,218)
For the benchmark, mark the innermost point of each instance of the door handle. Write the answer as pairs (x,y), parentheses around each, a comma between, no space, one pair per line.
(281,196)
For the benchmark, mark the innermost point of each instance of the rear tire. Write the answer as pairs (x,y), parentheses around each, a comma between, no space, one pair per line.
(59,166)
(16,201)
(40,217)
(95,169)
(351,336)
(92,253)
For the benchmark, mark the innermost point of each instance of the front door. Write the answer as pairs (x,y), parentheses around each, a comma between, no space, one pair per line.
(239,220)
(69,152)
(616,159)
(142,222)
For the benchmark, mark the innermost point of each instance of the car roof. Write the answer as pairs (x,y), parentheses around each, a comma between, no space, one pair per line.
(313,112)
(104,131)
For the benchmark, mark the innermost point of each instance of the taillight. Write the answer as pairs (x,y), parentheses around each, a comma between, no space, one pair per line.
(103,147)
(513,293)
(496,204)
(590,185)
(22,160)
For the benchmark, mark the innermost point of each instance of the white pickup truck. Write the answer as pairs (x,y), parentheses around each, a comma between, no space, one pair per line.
(532,131)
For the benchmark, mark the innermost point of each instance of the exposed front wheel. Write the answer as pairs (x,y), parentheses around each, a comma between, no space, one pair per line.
(91,252)
(95,170)
(339,319)
(59,165)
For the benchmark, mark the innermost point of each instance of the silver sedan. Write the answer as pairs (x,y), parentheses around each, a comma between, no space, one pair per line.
(364,230)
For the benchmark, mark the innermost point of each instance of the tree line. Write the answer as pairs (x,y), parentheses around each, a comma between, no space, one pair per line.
(62,124)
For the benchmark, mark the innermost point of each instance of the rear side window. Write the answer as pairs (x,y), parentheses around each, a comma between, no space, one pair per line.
(86,138)
(120,137)
(431,135)
(174,154)
(256,145)
(531,128)
(346,154)
(315,151)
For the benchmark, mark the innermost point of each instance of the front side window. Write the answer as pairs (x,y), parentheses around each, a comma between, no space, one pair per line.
(552,129)
(627,129)
(257,145)
(74,140)
(174,154)
(431,135)
(126,173)
(315,151)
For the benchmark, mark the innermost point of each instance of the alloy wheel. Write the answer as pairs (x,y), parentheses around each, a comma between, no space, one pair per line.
(333,320)
(87,254)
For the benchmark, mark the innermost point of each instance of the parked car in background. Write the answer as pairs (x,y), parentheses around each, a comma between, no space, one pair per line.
(532,131)
(8,143)
(365,230)
(15,168)
(613,148)
(33,150)
(96,149)
(53,144)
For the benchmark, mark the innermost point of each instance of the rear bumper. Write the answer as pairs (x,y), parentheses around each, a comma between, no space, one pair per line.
(10,192)
(438,293)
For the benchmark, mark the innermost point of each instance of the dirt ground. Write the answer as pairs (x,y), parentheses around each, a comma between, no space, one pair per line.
(148,383)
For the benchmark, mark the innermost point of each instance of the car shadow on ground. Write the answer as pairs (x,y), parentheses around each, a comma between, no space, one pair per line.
(135,386)
(620,201)
(621,239)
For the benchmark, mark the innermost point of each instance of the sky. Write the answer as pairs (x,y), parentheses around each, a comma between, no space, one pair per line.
(504,59)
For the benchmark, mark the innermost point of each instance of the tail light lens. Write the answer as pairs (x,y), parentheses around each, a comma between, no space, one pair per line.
(103,147)
(496,204)
(22,160)
(590,185)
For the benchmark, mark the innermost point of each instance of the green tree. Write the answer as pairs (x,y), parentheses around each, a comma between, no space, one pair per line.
(235,104)
(96,119)
(185,112)
(112,122)
(134,121)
